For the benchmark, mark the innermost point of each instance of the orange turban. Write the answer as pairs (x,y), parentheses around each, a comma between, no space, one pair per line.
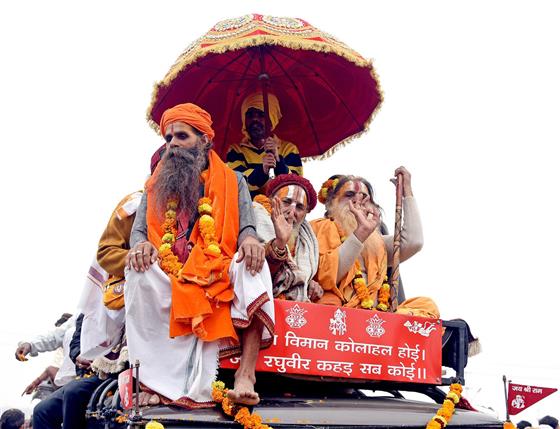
(189,114)
(256,100)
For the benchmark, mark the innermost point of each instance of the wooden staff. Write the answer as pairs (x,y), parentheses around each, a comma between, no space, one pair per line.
(394,298)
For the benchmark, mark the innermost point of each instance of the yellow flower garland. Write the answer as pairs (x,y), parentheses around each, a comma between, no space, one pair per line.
(207,227)
(169,262)
(444,414)
(240,414)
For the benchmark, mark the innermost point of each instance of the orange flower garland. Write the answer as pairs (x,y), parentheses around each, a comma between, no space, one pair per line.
(360,286)
(383,296)
(240,414)
(207,227)
(169,262)
(444,414)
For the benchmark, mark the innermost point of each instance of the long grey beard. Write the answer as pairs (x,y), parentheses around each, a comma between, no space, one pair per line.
(179,178)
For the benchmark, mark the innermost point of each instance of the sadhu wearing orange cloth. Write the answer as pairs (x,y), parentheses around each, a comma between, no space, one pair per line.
(198,287)
(353,255)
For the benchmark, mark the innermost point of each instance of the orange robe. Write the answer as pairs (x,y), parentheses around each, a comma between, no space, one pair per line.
(375,258)
(201,294)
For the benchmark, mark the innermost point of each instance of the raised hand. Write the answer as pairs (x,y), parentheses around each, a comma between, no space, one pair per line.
(282,228)
(367,217)
(406,180)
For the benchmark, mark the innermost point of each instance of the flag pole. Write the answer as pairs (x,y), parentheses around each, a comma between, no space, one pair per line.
(506,397)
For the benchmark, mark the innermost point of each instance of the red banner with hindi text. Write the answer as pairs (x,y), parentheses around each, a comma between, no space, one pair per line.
(521,397)
(352,343)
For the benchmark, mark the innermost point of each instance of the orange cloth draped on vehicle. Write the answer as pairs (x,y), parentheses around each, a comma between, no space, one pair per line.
(343,292)
(202,293)
(375,257)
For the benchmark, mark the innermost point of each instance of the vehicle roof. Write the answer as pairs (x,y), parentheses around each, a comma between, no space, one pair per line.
(281,412)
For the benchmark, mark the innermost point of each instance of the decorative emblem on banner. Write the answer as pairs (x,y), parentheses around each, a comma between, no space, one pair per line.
(518,402)
(337,324)
(295,317)
(374,328)
(422,329)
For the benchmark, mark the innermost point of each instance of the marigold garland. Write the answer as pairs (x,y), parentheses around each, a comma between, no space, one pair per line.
(383,296)
(169,262)
(360,286)
(240,414)
(207,227)
(444,414)
(326,187)
(153,424)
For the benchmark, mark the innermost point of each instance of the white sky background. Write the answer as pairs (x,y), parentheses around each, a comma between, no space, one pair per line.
(472,96)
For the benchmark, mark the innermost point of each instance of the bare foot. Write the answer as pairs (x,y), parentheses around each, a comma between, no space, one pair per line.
(243,392)
(146,398)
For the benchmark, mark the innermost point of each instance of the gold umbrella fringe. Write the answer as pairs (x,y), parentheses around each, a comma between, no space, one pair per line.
(192,55)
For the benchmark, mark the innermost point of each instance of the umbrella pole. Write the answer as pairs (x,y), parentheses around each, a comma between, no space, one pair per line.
(265,81)
(394,299)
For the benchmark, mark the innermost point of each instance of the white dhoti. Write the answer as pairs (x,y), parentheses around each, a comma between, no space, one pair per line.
(182,369)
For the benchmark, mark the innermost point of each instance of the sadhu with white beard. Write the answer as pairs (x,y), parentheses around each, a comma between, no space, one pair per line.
(183,313)
(291,247)
(353,255)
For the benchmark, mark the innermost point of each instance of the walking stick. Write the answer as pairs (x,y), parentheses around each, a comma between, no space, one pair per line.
(394,297)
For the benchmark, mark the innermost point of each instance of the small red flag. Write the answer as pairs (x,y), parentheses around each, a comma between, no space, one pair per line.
(125,388)
(521,397)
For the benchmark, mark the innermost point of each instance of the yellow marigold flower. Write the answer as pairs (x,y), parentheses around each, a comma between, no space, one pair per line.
(367,303)
(220,385)
(453,396)
(214,249)
(382,307)
(164,247)
(168,238)
(360,281)
(172,204)
(457,388)
(334,183)
(204,200)
(206,221)
(171,214)
(205,209)
(154,425)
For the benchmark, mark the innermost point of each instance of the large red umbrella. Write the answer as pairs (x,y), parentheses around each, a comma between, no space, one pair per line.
(328,93)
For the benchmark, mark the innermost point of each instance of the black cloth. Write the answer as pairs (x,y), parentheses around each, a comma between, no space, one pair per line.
(74,349)
(66,406)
